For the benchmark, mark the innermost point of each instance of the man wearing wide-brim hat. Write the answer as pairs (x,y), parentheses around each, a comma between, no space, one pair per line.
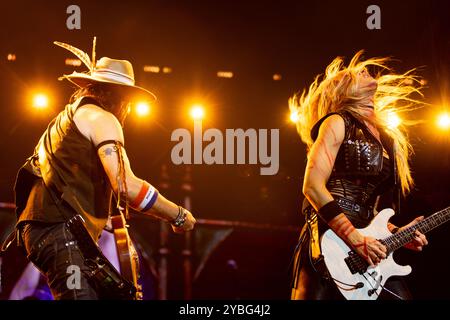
(78,161)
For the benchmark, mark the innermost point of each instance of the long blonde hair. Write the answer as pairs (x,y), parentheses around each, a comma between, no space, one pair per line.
(337,90)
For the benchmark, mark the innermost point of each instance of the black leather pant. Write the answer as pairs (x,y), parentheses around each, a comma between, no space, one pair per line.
(52,249)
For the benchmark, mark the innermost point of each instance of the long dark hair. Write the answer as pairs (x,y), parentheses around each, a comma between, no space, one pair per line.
(110,97)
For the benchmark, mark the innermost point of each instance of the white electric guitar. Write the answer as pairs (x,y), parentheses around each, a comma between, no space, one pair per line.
(352,275)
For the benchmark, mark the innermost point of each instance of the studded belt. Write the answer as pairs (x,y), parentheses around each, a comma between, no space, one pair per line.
(355,209)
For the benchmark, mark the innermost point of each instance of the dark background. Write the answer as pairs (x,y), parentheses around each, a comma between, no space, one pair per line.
(254,40)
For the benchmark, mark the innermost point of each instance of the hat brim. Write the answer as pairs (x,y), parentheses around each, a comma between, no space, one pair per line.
(83,79)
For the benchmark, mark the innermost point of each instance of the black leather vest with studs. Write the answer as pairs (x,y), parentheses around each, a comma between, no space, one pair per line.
(360,154)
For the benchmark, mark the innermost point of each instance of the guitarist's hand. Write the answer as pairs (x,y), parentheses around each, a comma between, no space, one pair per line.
(368,248)
(419,241)
(188,225)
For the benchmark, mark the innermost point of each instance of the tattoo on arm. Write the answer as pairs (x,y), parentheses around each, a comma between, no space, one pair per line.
(108,151)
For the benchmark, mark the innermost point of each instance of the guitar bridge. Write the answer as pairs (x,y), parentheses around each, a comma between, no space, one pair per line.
(355,263)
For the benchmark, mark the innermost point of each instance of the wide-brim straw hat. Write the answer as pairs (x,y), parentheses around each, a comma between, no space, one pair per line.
(107,71)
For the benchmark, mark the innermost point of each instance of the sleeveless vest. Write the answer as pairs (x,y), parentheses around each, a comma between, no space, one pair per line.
(64,162)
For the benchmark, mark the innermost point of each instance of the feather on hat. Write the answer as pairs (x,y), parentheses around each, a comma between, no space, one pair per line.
(105,70)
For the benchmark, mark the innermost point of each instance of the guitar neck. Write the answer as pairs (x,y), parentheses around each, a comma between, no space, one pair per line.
(401,238)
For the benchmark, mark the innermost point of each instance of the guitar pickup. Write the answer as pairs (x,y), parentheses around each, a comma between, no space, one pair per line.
(355,263)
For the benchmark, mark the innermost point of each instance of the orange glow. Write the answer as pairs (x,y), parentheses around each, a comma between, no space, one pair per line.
(11,57)
(40,101)
(294,117)
(225,74)
(143,109)
(277,77)
(152,69)
(393,120)
(197,112)
(443,121)
(73,62)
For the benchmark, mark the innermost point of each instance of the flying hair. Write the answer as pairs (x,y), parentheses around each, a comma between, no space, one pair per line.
(337,90)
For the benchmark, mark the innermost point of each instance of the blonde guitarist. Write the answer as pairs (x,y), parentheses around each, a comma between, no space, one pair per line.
(345,123)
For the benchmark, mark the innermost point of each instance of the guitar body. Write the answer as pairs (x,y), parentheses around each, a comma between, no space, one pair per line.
(128,257)
(336,251)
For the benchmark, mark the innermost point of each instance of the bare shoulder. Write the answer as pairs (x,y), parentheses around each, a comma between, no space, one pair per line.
(333,129)
(98,124)
(93,113)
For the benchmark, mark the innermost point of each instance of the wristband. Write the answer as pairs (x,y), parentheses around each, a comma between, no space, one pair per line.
(329,211)
(146,198)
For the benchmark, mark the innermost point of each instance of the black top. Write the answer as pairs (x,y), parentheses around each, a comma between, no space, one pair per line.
(360,172)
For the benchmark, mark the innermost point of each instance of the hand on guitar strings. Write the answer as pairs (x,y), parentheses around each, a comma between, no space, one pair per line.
(419,240)
(372,250)
(368,248)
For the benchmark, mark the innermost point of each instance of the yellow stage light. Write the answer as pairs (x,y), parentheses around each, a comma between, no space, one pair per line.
(73,62)
(143,109)
(294,117)
(40,101)
(225,74)
(152,69)
(393,120)
(167,70)
(443,121)
(197,112)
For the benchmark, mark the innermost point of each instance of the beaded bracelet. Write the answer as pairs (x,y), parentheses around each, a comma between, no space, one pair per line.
(181,217)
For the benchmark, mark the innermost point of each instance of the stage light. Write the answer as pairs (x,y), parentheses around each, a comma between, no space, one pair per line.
(40,101)
(393,120)
(294,117)
(409,81)
(443,121)
(73,62)
(152,69)
(142,109)
(197,112)
(167,70)
(11,57)
(277,77)
(225,74)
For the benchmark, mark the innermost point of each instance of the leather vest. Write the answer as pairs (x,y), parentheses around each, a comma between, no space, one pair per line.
(65,160)
(360,154)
